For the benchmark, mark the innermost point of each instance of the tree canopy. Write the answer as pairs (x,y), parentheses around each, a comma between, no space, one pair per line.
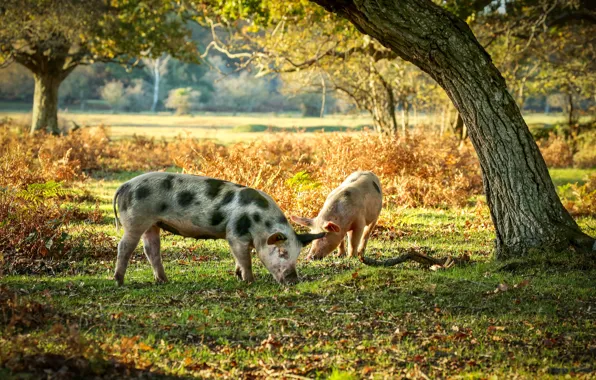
(52,37)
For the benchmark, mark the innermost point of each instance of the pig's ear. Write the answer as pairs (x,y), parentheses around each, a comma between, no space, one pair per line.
(306,239)
(302,221)
(276,238)
(331,227)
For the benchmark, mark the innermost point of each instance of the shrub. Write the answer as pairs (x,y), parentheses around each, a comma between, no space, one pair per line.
(138,96)
(557,152)
(580,199)
(182,100)
(414,171)
(586,154)
(113,93)
(35,230)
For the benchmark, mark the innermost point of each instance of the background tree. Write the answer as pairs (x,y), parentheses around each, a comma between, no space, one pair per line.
(182,100)
(114,93)
(52,37)
(157,68)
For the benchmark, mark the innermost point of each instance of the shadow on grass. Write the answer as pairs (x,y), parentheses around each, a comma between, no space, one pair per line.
(311,129)
(56,366)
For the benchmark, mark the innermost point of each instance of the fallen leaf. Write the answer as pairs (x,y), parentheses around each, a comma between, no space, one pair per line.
(145,347)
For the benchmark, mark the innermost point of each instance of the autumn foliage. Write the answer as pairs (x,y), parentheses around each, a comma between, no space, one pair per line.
(42,179)
(299,170)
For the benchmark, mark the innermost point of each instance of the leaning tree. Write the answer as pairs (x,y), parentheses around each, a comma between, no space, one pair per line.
(524,206)
(52,37)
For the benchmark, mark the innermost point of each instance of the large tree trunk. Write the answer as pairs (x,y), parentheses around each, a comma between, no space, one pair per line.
(45,103)
(524,206)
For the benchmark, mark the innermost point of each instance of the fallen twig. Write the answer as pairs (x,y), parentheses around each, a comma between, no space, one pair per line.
(415,254)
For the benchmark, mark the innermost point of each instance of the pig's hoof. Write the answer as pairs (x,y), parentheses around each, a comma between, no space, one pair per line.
(248,279)
(239,273)
(119,279)
(161,280)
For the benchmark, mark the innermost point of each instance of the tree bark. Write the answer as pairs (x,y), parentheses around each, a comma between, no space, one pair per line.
(524,205)
(323,96)
(45,103)
(155,86)
(382,104)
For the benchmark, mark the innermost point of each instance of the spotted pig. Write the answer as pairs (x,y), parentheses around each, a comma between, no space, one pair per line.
(353,209)
(206,208)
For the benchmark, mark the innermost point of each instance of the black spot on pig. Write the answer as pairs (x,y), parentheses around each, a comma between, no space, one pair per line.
(377,188)
(249,195)
(179,179)
(214,186)
(228,197)
(167,183)
(216,218)
(347,194)
(256,218)
(185,198)
(142,192)
(163,207)
(268,224)
(282,219)
(243,225)
(167,227)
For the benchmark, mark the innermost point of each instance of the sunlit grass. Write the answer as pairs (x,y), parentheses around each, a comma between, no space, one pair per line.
(344,319)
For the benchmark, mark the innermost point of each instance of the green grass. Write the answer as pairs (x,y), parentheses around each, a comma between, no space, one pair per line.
(565,176)
(226,127)
(204,125)
(344,320)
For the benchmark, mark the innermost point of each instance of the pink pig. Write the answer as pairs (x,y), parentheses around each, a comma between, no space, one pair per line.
(351,208)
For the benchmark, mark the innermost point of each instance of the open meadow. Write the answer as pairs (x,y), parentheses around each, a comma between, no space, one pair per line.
(62,316)
(226,128)
(252,128)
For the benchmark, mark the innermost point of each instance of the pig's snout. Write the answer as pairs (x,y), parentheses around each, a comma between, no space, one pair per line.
(289,277)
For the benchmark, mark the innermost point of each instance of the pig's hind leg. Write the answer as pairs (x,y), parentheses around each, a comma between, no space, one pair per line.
(127,245)
(365,236)
(151,246)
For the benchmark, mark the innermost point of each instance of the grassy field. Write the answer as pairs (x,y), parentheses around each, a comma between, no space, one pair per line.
(521,319)
(209,126)
(223,127)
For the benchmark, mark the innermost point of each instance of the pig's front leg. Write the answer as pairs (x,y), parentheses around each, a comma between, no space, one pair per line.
(241,252)
(342,247)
